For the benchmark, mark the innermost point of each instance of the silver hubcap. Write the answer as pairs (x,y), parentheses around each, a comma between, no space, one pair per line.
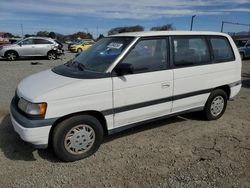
(79,139)
(11,56)
(79,50)
(52,56)
(217,106)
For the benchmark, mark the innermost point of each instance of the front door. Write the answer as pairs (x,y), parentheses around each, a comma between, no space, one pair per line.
(146,92)
(27,48)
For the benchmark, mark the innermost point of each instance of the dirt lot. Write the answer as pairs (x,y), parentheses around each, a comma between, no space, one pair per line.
(183,151)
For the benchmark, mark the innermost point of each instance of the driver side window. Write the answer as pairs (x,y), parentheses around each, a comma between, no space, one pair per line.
(148,55)
(27,42)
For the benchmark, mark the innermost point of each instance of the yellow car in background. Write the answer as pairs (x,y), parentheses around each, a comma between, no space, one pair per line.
(82,46)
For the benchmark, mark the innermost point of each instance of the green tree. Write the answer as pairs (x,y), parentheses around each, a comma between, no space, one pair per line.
(52,35)
(42,34)
(125,29)
(8,35)
(167,27)
(100,37)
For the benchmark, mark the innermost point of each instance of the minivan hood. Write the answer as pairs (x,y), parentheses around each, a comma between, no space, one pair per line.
(50,86)
(37,85)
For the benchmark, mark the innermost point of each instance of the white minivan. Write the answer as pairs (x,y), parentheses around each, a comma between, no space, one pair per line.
(122,81)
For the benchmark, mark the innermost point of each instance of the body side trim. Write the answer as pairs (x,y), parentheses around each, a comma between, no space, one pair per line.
(122,128)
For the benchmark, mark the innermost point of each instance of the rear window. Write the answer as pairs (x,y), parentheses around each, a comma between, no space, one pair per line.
(42,41)
(190,51)
(222,50)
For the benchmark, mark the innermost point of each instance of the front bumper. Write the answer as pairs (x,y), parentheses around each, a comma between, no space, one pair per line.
(39,137)
(1,53)
(34,131)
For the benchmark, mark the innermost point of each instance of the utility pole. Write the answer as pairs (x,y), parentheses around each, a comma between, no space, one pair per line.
(97,31)
(192,21)
(22,29)
(222,26)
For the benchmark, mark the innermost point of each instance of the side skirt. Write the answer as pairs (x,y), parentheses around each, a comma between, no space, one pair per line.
(122,128)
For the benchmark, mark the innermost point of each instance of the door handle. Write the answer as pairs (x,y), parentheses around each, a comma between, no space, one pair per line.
(165,85)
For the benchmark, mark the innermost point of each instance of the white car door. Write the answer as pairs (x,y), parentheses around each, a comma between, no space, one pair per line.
(194,74)
(27,48)
(147,92)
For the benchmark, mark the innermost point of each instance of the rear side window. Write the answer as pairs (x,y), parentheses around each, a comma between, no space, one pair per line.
(42,41)
(190,51)
(222,50)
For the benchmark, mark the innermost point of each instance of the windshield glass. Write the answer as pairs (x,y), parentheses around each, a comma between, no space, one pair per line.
(17,42)
(101,55)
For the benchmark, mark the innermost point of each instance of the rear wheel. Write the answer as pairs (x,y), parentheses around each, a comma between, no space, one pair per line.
(216,105)
(77,137)
(51,55)
(11,55)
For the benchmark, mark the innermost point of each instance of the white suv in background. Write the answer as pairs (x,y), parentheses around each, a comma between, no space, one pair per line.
(31,46)
(123,81)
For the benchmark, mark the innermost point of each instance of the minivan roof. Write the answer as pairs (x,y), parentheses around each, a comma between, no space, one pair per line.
(161,33)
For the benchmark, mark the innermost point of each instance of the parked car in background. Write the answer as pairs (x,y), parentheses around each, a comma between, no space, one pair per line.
(3,43)
(83,46)
(243,47)
(74,42)
(31,46)
(123,81)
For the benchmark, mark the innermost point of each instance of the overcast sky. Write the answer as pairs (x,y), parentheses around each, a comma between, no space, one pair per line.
(98,16)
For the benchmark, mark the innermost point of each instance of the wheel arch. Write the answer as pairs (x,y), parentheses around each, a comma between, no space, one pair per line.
(98,115)
(11,50)
(227,90)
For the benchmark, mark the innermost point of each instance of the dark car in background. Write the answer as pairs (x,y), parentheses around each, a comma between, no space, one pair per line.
(243,47)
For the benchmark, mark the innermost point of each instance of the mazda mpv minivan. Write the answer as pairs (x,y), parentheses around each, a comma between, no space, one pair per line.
(122,81)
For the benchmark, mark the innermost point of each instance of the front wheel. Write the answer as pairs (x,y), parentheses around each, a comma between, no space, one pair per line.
(216,105)
(11,55)
(77,137)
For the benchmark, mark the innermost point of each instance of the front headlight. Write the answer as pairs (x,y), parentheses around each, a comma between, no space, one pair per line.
(34,109)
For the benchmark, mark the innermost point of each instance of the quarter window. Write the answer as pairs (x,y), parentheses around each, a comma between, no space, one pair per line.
(189,51)
(222,50)
(148,55)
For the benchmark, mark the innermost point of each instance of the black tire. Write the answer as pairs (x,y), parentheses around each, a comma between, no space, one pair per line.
(59,137)
(11,55)
(242,55)
(52,55)
(79,50)
(209,111)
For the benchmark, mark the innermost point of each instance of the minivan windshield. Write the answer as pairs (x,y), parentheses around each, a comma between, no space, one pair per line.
(101,55)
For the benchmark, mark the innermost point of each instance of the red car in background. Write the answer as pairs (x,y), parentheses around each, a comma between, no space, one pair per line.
(2,43)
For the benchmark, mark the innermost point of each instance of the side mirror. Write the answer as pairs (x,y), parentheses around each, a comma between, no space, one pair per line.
(20,43)
(123,69)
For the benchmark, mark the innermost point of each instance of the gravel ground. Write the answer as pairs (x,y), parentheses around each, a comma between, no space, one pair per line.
(183,151)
